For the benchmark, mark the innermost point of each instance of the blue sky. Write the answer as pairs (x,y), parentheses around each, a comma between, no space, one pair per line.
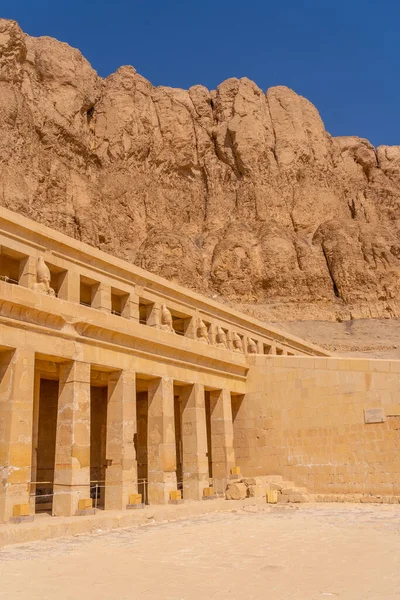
(342,55)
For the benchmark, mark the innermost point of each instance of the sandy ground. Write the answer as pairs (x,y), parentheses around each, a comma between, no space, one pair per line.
(373,338)
(281,553)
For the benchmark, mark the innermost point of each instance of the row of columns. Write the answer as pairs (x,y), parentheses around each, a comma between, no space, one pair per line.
(72,457)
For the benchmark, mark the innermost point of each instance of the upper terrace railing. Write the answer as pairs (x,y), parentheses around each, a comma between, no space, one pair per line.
(84,275)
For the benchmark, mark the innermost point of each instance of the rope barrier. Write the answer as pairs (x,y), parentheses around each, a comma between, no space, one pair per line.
(99,484)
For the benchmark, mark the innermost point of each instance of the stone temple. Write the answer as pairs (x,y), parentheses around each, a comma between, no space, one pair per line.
(119,388)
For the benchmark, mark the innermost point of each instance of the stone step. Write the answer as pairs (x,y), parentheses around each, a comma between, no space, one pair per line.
(294,490)
(281,485)
(294,498)
(256,487)
(273,478)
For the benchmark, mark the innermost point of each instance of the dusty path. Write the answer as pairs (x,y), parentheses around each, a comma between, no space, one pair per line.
(367,338)
(281,553)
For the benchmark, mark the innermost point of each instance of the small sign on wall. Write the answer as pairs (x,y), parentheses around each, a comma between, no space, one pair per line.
(374,415)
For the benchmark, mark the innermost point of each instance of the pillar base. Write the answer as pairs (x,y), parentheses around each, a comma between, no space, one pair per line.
(22,519)
(181,501)
(134,506)
(85,511)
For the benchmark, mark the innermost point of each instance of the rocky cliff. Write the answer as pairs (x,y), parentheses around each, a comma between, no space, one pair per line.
(239,194)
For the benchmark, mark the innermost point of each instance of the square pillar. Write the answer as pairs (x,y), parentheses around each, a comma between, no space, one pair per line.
(27,272)
(153,315)
(70,286)
(191,327)
(102,297)
(35,440)
(131,308)
(194,442)
(72,462)
(17,373)
(161,450)
(212,334)
(121,470)
(222,451)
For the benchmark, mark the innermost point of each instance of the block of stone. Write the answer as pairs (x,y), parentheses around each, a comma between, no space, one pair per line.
(208,492)
(255,481)
(236,491)
(296,498)
(293,490)
(84,503)
(235,471)
(175,495)
(276,486)
(274,478)
(282,499)
(85,512)
(21,510)
(374,415)
(371,499)
(24,519)
(272,496)
(251,481)
(135,499)
(255,491)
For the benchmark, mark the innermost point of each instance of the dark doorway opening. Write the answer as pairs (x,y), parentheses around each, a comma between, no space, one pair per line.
(98,432)
(46,445)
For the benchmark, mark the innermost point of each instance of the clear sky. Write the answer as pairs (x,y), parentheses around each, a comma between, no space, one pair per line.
(343,55)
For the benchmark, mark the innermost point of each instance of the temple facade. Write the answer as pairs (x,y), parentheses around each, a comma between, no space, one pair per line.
(116,384)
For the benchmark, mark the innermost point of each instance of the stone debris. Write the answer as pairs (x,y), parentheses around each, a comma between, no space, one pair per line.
(236,491)
(257,487)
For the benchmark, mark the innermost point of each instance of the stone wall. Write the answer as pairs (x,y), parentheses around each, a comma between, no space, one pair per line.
(306,420)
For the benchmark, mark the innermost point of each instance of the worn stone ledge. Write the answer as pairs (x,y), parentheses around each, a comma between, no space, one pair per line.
(355,498)
(45,527)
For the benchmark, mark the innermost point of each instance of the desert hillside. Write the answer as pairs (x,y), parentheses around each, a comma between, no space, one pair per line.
(238,194)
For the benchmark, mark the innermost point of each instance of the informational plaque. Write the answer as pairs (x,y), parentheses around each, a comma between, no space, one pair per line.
(374,415)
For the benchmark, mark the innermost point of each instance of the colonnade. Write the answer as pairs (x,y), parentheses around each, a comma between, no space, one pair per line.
(19,391)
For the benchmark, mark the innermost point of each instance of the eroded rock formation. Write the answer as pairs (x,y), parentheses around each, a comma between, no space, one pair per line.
(236,193)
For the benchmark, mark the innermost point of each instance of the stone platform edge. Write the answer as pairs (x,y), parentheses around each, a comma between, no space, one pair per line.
(45,527)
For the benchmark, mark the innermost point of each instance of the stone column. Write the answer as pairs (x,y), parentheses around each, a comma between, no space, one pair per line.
(222,451)
(194,442)
(28,274)
(212,334)
(161,448)
(17,373)
(131,308)
(191,329)
(35,440)
(102,297)
(72,462)
(121,471)
(153,315)
(70,286)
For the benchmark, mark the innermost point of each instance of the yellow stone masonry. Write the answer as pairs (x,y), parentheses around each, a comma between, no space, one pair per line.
(116,384)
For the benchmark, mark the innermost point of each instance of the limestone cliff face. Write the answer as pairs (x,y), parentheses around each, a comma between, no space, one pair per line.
(236,193)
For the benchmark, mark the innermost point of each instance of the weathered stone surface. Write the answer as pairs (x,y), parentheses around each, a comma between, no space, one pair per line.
(236,193)
(236,491)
